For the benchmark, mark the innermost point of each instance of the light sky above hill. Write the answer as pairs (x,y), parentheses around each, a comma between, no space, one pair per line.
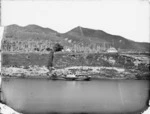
(127,18)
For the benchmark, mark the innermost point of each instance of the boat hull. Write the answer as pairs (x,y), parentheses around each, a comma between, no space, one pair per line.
(71,79)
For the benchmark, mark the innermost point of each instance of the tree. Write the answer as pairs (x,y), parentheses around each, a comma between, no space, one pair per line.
(57,47)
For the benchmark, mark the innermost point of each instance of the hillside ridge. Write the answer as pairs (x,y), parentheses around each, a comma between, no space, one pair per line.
(77,35)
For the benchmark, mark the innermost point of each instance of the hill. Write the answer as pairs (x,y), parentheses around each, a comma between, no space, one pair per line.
(28,32)
(88,36)
(79,36)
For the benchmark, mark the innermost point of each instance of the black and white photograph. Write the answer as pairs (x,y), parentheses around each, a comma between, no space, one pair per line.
(75,56)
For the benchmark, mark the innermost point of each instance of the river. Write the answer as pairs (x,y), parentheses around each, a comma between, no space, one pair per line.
(103,96)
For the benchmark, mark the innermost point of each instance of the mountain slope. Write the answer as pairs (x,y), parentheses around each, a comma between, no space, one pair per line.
(98,36)
(28,32)
(79,35)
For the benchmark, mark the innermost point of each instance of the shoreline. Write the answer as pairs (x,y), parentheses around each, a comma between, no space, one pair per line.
(48,78)
(96,73)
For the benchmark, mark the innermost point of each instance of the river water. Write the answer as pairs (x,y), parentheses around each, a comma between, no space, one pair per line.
(47,96)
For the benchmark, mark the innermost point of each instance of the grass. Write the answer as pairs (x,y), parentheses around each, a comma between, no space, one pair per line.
(62,60)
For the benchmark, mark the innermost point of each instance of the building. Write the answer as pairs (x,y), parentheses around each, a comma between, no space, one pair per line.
(68,50)
(112,50)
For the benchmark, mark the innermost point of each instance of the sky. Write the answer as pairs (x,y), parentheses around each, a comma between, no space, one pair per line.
(127,18)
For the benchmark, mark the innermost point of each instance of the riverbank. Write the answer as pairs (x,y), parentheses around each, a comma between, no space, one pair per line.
(94,72)
(63,60)
(97,65)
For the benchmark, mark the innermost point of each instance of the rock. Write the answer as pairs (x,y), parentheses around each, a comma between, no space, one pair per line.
(4,109)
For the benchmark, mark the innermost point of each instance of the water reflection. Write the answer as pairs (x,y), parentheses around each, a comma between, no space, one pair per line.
(34,95)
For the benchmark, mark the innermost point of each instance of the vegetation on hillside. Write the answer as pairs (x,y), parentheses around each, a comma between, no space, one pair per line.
(41,46)
(33,38)
(105,66)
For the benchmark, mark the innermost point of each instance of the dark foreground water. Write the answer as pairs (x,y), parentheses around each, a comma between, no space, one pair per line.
(103,96)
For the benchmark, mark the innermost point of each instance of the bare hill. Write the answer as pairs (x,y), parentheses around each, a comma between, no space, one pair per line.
(98,36)
(78,35)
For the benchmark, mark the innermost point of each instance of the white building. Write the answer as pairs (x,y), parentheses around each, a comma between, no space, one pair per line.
(112,50)
(68,50)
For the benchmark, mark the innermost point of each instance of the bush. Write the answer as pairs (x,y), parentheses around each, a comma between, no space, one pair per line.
(57,47)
